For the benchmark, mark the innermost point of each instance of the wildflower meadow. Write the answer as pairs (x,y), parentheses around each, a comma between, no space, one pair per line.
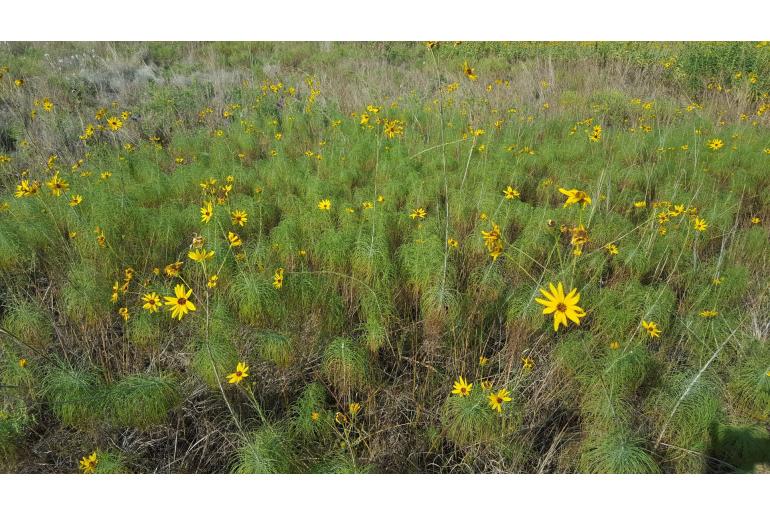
(426,257)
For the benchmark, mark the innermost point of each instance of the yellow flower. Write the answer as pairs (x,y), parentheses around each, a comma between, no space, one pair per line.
(354,408)
(462,388)
(325,204)
(114,123)
(611,249)
(315,416)
(151,302)
(452,243)
(492,239)
(57,185)
(173,269)
(88,463)
(180,305)
(75,200)
(340,418)
(239,217)
(496,400)
(715,144)
(22,362)
(47,104)
(709,313)
(115,290)
(418,213)
(575,197)
(511,193)
(212,282)
(614,345)
(652,328)
(393,128)
(26,189)
(483,360)
(563,307)
(124,313)
(527,363)
(469,72)
(640,204)
(699,224)
(240,373)
(200,255)
(206,212)
(755,220)
(234,239)
(278,278)
(367,205)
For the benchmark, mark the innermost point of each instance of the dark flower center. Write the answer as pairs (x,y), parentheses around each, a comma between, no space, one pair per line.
(181,301)
(561,307)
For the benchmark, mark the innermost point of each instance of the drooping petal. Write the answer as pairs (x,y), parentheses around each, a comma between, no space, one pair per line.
(572,315)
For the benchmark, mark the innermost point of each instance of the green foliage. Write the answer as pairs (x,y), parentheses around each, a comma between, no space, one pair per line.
(617,452)
(110,462)
(751,382)
(77,396)
(276,348)
(265,451)
(470,421)
(142,400)
(376,305)
(345,364)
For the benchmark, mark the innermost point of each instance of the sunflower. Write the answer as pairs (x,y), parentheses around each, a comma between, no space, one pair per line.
(239,217)
(240,373)
(563,307)
(699,224)
(462,388)
(124,313)
(496,400)
(278,278)
(511,193)
(716,144)
(652,328)
(151,302)
(418,213)
(492,239)
(709,313)
(75,200)
(325,204)
(114,123)
(57,185)
(393,128)
(88,463)
(469,72)
(575,197)
(173,269)
(354,408)
(234,239)
(206,212)
(212,282)
(200,255)
(179,305)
